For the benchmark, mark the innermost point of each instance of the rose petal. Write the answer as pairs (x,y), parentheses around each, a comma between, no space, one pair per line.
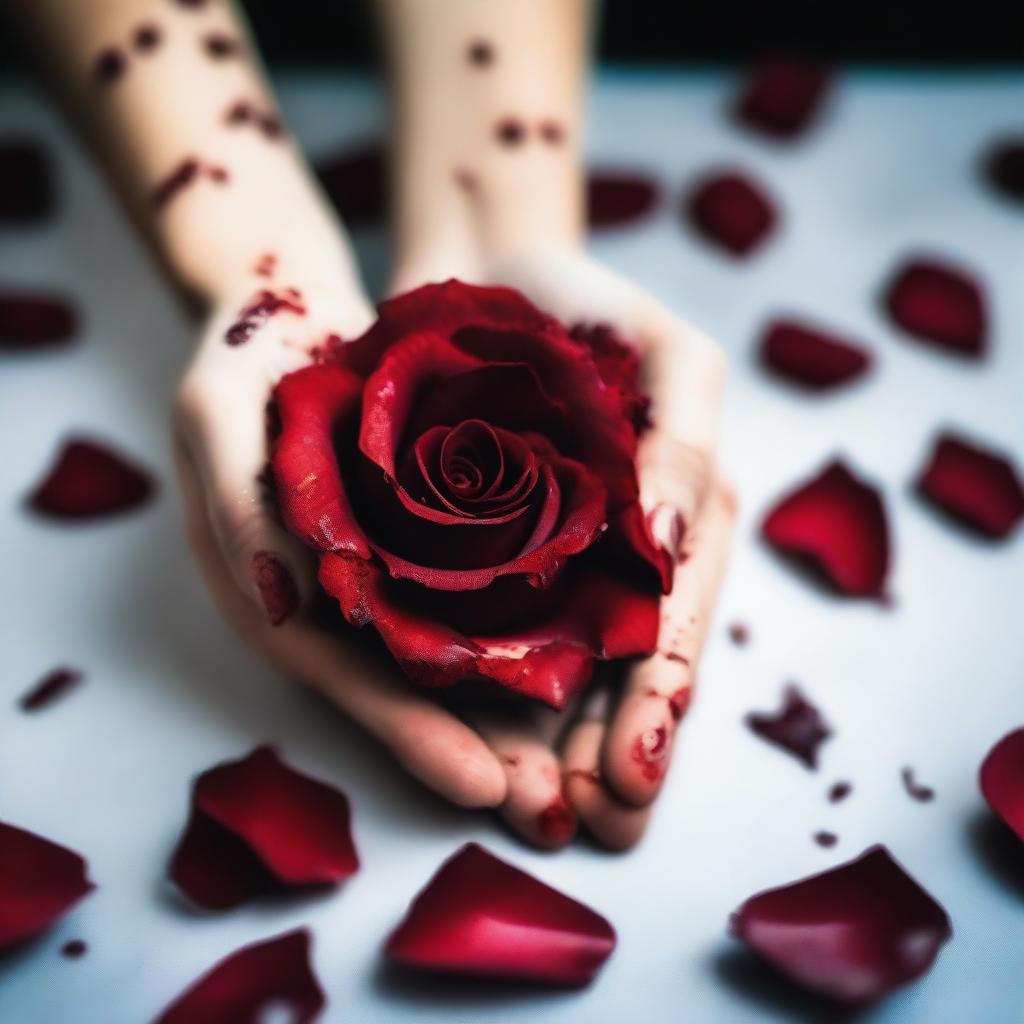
(479,916)
(782,95)
(939,304)
(89,481)
(617,198)
(251,984)
(811,357)
(257,826)
(30,321)
(797,727)
(977,487)
(836,523)
(27,195)
(618,363)
(1002,780)
(355,180)
(852,933)
(731,211)
(1004,168)
(39,883)
(52,686)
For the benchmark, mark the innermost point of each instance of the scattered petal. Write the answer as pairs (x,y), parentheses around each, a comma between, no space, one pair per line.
(355,182)
(940,304)
(39,883)
(254,982)
(853,933)
(797,727)
(1004,168)
(481,916)
(914,788)
(839,791)
(30,321)
(52,686)
(782,95)
(28,190)
(74,949)
(618,198)
(90,481)
(809,357)
(1002,780)
(835,523)
(256,827)
(977,487)
(826,839)
(731,211)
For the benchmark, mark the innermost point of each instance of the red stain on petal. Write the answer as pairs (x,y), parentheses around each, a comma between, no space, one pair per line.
(977,487)
(27,194)
(557,823)
(853,933)
(939,304)
(923,794)
(276,586)
(33,320)
(619,198)
(797,727)
(836,525)
(51,687)
(39,883)
(1004,168)
(355,181)
(258,826)
(479,916)
(811,358)
(1002,780)
(90,481)
(731,211)
(269,980)
(781,96)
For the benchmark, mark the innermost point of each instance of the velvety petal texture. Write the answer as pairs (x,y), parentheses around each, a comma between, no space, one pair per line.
(836,525)
(267,981)
(466,472)
(731,211)
(810,357)
(480,916)
(853,933)
(257,826)
(797,727)
(782,95)
(39,883)
(1002,780)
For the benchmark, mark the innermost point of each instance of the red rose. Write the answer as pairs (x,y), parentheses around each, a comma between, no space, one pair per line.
(466,471)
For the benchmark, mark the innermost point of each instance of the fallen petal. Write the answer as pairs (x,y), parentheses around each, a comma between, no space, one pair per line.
(836,523)
(809,357)
(1004,168)
(39,883)
(27,195)
(731,211)
(977,487)
(618,198)
(29,321)
(797,727)
(270,980)
(481,916)
(1002,780)
(854,932)
(782,95)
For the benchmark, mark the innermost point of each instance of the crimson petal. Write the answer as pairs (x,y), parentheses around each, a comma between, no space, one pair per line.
(975,486)
(853,933)
(27,195)
(479,916)
(252,983)
(809,357)
(617,198)
(939,304)
(257,826)
(90,481)
(837,523)
(797,727)
(1002,780)
(1004,168)
(782,95)
(355,180)
(39,883)
(731,211)
(29,321)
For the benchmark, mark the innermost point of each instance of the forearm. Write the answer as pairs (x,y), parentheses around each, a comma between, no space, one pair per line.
(488,127)
(178,109)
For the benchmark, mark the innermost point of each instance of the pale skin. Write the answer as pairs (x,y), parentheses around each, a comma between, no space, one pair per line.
(487,188)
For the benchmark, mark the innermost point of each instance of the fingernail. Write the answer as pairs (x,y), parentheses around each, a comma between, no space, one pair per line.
(557,823)
(667,526)
(276,586)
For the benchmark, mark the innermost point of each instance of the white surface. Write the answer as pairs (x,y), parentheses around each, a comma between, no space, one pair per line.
(932,683)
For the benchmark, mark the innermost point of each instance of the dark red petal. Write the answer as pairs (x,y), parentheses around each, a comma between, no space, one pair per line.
(27,194)
(479,916)
(853,933)
(52,686)
(251,984)
(1004,168)
(1002,780)
(355,180)
(797,727)
(29,321)
(258,825)
(313,404)
(811,357)
(39,883)
(618,363)
(782,95)
(939,304)
(617,198)
(977,487)
(731,211)
(836,523)
(90,481)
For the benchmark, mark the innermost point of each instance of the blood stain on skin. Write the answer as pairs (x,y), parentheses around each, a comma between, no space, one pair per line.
(263,306)
(109,66)
(839,791)
(552,133)
(217,173)
(677,657)
(510,131)
(221,46)
(480,52)
(593,776)
(649,750)
(52,686)
(244,112)
(146,38)
(556,822)
(826,839)
(74,948)
(914,788)
(679,702)
(466,180)
(276,587)
(265,265)
(739,634)
(181,177)
(512,760)
(192,4)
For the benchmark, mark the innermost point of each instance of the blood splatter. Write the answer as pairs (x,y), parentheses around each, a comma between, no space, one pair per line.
(510,132)
(221,46)
(679,702)
(480,52)
(244,112)
(839,791)
(52,686)
(739,634)
(649,751)
(265,265)
(146,38)
(826,839)
(592,775)
(552,133)
(263,306)
(914,788)
(184,175)
(109,66)
(557,823)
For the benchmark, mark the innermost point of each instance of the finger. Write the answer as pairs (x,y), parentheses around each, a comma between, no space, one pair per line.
(641,734)
(431,744)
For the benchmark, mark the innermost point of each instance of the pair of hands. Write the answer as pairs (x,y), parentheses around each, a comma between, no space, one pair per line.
(600,763)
